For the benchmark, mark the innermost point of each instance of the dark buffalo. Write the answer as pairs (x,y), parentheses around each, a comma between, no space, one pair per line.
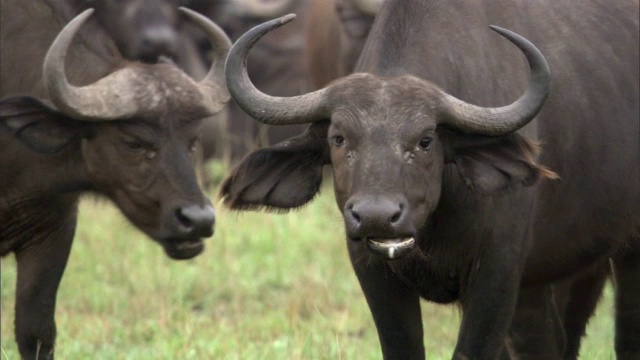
(336,31)
(454,202)
(130,136)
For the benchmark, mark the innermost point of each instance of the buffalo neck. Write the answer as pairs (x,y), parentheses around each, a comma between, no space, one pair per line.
(33,176)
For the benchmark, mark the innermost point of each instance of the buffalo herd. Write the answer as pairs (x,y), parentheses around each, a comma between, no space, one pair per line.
(483,153)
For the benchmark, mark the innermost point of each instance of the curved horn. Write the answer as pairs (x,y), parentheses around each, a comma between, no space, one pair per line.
(370,7)
(107,99)
(212,86)
(260,106)
(263,9)
(506,119)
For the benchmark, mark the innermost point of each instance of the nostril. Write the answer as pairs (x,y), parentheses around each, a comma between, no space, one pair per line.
(397,215)
(184,220)
(355,215)
(196,220)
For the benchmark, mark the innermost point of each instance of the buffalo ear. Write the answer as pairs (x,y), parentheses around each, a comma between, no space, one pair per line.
(39,126)
(492,165)
(279,177)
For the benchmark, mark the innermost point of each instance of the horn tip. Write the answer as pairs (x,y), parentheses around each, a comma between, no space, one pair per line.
(185,9)
(83,15)
(498,29)
(188,12)
(287,18)
(88,12)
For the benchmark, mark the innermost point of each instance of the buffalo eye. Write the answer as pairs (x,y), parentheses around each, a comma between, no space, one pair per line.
(141,148)
(338,140)
(134,145)
(425,142)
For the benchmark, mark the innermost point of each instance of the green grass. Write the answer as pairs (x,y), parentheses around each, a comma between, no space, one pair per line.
(268,286)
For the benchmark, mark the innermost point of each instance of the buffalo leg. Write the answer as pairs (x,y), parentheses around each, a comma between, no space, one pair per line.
(627,279)
(490,295)
(577,299)
(395,308)
(536,331)
(40,269)
(487,314)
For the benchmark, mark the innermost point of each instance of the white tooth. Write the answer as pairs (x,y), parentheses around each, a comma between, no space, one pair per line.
(392,251)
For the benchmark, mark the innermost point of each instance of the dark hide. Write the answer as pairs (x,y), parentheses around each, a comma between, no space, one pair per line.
(491,232)
(576,299)
(38,126)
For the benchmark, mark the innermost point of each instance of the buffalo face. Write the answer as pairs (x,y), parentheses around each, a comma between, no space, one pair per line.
(145,166)
(387,161)
(147,169)
(391,142)
(140,152)
(130,136)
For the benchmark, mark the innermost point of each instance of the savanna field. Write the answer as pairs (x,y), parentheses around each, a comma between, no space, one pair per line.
(268,286)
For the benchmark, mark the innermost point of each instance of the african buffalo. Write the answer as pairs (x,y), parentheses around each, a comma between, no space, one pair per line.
(129,136)
(454,202)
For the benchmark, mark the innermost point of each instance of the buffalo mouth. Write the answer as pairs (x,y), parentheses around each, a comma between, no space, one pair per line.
(391,248)
(182,249)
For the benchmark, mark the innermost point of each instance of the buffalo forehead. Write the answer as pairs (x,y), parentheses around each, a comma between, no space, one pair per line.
(385,102)
(168,93)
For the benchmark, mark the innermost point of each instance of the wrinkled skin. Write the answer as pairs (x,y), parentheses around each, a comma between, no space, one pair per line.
(494,229)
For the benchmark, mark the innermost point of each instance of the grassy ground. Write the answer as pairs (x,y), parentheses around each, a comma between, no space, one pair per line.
(267,287)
